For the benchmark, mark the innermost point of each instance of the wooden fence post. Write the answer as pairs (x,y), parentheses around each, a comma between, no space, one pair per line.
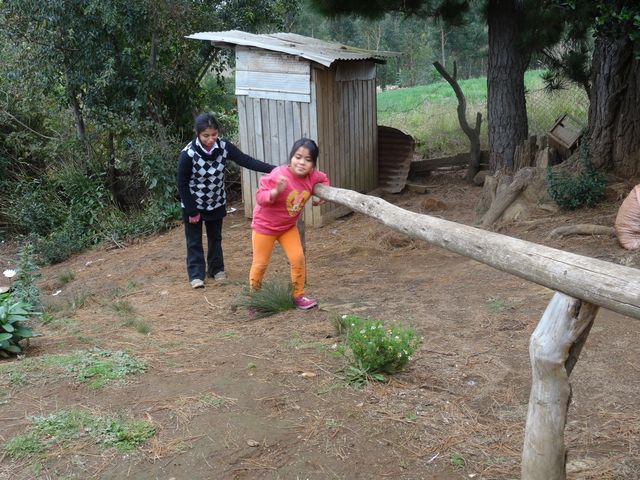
(554,350)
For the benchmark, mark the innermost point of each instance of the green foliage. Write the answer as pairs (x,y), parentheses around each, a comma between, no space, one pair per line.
(96,367)
(67,428)
(376,349)
(428,112)
(271,298)
(24,445)
(24,287)
(582,189)
(13,314)
(457,460)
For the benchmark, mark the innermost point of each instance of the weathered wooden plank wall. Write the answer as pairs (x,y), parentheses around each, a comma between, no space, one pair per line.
(337,110)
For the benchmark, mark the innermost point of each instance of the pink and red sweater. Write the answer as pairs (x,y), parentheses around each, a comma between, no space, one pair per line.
(273,217)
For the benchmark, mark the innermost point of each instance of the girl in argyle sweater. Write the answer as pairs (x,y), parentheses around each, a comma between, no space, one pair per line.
(203,198)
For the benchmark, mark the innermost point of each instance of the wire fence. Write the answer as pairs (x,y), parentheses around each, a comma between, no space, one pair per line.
(544,108)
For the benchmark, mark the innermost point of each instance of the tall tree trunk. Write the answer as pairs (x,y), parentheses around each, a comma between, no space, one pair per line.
(81,132)
(614,116)
(442,43)
(507,111)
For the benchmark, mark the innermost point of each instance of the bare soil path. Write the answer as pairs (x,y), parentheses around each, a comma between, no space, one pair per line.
(227,392)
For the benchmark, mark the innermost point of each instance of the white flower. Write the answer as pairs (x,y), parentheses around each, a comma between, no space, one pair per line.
(9,273)
(344,316)
(334,346)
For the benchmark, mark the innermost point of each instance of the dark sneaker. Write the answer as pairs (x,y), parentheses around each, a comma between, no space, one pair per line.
(196,283)
(304,303)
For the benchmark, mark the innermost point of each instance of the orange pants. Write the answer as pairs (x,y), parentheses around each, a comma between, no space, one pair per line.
(262,249)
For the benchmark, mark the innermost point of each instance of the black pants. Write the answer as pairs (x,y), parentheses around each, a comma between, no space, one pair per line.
(195,252)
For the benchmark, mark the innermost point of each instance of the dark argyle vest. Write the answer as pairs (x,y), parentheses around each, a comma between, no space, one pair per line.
(207,176)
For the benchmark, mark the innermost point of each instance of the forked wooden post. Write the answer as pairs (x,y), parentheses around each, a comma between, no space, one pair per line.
(553,350)
(585,284)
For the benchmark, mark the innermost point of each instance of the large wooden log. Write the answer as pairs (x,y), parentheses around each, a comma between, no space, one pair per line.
(554,350)
(609,285)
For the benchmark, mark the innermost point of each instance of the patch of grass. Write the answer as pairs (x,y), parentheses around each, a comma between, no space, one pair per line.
(24,446)
(120,292)
(410,416)
(271,298)
(227,334)
(99,367)
(497,305)
(65,428)
(123,308)
(143,327)
(79,300)
(95,366)
(214,401)
(17,378)
(66,277)
(457,460)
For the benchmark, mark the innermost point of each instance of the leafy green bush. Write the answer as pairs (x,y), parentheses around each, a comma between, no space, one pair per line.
(13,314)
(582,189)
(376,349)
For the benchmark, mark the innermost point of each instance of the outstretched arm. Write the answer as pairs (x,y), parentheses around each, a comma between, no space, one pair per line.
(247,161)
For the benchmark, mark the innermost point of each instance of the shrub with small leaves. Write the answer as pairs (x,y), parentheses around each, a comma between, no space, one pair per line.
(377,348)
(582,189)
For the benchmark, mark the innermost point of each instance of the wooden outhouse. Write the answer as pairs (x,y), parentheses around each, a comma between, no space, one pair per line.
(289,86)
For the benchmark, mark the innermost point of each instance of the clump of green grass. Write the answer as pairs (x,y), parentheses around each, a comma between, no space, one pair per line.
(497,305)
(123,308)
(271,298)
(65,428)
(127,312)
(96,367)
(66,277)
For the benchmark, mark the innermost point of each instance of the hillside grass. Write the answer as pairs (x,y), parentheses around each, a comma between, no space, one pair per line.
(428,112)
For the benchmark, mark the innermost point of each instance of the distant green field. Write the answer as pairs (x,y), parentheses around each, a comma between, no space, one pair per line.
(428,112)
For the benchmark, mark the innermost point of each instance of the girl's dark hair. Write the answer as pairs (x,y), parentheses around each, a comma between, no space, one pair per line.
(310,145)
(204,121)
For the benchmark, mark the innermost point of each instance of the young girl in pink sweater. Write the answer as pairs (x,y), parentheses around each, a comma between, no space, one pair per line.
(279,201)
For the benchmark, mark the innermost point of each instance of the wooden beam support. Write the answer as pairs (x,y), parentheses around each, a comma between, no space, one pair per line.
(554,350)
(606,284)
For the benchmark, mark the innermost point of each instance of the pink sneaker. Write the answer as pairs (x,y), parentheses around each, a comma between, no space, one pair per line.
(304,303)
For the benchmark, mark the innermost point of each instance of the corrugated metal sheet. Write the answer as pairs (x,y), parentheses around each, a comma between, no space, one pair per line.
(319,51)
(395,152)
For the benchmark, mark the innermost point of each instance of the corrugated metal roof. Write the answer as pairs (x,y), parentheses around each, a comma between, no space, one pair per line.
(319,51)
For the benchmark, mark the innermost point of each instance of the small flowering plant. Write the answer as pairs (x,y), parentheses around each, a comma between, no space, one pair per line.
(378,348)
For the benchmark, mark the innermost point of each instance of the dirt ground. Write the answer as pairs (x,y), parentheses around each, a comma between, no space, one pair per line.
(282,410)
